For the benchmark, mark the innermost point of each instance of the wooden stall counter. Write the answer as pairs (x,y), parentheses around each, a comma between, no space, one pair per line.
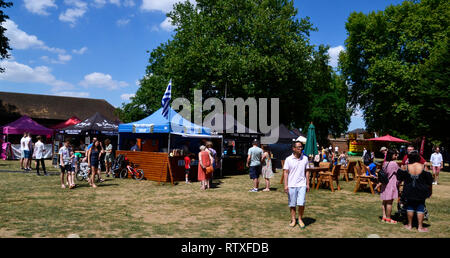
(159,167)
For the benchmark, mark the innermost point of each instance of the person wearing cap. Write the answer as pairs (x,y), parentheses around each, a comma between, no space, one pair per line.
(254,164)
(384,151)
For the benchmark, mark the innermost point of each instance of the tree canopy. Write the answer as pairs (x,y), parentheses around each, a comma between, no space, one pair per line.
(396,62)
(4,42)
(246,48)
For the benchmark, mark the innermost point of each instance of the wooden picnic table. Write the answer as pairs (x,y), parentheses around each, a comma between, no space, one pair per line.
(313,174)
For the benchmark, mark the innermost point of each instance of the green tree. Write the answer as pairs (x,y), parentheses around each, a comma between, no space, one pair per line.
(330,113)
(246,48)
(251,48)
(396,62)
(4,41)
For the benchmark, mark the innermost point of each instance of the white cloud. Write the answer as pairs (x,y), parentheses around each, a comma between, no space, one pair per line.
(62,59)
(102,80)
(116,2)
(39,6)
(160,5)
(358,113)
(19,39)
(167,25)
(99,3)
(17,72)
(81,51)
(127,96)
(334,55)
(129,3)
(123,22)
(102,3)
(71,15)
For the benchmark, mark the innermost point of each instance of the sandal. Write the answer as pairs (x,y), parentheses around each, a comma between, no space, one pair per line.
(390,221)
(423,230)
(293,223)
(301,224)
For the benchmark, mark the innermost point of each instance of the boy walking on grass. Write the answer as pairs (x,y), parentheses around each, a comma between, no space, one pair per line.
(296,182)
(64,161)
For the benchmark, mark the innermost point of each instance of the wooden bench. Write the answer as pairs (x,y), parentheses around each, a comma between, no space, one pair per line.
(362,181)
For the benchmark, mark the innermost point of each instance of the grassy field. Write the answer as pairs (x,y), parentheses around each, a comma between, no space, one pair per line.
(32,206)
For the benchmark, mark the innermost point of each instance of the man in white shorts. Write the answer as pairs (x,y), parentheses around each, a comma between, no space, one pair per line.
(296,182)
(22,153)
(438,163)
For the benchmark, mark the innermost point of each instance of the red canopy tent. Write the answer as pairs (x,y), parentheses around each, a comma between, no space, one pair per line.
(71,121)
(26,124)
(387,138)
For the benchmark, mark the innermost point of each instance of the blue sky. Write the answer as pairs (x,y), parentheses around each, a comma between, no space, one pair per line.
(97,48)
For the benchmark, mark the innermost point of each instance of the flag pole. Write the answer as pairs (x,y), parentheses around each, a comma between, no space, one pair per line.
(168,141)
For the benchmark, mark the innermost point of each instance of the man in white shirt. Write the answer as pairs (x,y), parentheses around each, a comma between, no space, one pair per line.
(39,150)
(438,163)
(29,141)
(25,145)
(296,182)
(22,154)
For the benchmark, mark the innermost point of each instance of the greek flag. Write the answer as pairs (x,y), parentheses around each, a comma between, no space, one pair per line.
(165,102)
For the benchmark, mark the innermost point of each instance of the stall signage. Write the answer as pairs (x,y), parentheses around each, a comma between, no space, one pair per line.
(143,128)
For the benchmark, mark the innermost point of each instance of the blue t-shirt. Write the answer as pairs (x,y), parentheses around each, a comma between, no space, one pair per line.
(373,169)
(255,156)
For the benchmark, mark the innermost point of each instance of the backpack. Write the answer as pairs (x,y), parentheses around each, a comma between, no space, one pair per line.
(382,176)
(367,158)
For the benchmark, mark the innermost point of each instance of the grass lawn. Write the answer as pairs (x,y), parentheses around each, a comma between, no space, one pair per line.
(32,206)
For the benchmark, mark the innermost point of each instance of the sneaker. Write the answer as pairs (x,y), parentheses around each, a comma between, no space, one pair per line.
(254,190)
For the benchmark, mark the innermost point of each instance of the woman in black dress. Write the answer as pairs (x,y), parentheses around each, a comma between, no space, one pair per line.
(417,187)
(93,160)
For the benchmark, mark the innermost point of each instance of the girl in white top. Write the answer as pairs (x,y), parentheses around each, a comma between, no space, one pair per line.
(438,163)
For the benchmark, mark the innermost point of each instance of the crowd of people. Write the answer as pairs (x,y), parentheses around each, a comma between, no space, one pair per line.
(417,181)
(69,158)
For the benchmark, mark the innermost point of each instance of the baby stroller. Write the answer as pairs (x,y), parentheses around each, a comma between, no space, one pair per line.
(83,172)
(118,164)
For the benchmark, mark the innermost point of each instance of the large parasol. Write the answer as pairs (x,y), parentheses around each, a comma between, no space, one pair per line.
(388,138)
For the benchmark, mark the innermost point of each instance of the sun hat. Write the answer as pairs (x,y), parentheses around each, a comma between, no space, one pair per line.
(383,149)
